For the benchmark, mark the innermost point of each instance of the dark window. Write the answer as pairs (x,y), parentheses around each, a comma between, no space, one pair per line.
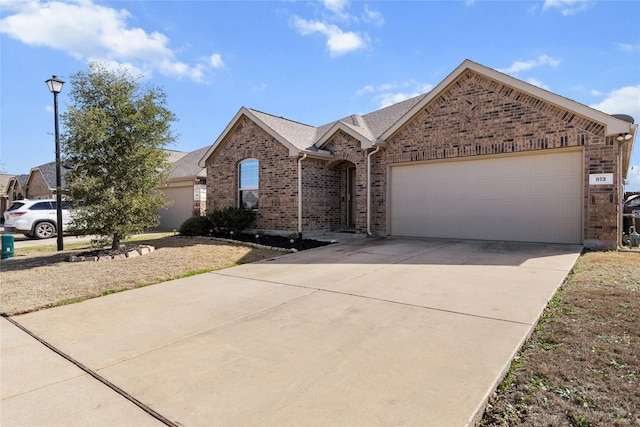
(42,206)
(15,205)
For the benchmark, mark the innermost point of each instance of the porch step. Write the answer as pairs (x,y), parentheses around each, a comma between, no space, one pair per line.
(338,236)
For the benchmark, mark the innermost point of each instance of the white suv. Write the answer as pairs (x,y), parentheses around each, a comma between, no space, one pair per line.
(35,218)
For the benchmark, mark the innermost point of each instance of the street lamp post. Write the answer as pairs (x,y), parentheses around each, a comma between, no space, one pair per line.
(55,86)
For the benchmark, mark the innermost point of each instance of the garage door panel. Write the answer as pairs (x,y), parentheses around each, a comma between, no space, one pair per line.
(520,198)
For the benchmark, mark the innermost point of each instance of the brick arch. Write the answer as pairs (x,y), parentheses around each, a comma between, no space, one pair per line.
(342,156)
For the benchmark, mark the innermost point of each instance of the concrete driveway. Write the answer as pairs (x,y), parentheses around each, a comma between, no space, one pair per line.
(412,332)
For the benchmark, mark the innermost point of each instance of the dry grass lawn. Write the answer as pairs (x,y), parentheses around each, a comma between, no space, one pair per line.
(38,278)
(581,366)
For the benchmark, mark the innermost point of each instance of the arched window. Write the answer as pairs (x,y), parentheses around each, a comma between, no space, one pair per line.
(248,178)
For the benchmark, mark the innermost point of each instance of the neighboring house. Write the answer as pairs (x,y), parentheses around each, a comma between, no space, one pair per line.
(16,187)
(482,156)
(185,189)
(40,183)
(4,196)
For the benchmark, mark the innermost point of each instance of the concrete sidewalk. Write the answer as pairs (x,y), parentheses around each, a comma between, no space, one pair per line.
(372,332)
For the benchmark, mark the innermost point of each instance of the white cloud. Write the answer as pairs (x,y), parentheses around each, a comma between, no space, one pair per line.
(568,7)
(372,16)
(215,61)
(116,65)
(627,47)
(393,92)
(337,7)
(89,31)
(520,66)
(338,41)
(259,87)
(625,100)
(536,82)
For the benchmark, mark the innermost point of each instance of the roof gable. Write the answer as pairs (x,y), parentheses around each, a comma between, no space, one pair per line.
(296,137)
(48,172)
(368,128)
(613,125)
(354,126)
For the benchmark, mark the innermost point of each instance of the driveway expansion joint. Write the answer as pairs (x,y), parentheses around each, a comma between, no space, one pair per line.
(331,291)
(95,375)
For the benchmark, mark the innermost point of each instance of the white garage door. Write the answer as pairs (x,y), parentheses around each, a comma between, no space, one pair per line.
(532,198)
(181,209)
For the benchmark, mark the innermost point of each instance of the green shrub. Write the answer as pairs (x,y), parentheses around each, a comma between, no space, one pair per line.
(196,226)
(232,219)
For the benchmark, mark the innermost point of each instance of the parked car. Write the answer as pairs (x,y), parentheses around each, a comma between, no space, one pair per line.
(35,218)
(631,207)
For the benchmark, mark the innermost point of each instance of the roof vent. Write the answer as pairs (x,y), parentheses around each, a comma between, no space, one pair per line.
(627,118)
(356,120)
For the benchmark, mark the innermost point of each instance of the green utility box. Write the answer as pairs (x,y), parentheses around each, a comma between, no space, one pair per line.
(7,246)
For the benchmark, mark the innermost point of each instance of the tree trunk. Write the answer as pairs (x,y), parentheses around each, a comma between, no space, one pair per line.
(116,241)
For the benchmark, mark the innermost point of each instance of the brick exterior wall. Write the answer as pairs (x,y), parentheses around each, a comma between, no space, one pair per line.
(37,187)
(473,117)
(278,184)
(476,116)
(321,193)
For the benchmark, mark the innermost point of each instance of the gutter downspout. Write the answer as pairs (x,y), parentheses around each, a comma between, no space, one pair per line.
(300,159)
(632,129)
(369,188)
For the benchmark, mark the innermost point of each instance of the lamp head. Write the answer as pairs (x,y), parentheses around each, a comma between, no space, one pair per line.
(54,84)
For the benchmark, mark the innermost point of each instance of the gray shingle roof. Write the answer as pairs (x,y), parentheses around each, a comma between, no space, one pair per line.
(174,155)
(381,120)
(187,165)
(301,135)
(48,171)
(370,126)
(22,179)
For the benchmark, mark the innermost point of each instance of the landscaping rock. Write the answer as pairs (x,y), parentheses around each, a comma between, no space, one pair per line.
(133,254)
(124,251)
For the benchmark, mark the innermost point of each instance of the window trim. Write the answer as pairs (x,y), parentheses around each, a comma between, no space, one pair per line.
(241,190)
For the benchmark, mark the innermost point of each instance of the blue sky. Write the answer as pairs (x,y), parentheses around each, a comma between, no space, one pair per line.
(309,61)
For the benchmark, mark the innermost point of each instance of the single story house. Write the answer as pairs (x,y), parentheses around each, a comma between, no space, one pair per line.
(185,189)
(40,183)
(16,187)
(481,156)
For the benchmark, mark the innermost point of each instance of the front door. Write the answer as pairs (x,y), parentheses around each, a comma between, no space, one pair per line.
(351,198)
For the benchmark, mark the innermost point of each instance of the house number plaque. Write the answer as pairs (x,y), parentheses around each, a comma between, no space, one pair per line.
(601,179)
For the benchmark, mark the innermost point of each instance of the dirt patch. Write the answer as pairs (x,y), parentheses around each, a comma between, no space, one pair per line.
(581,366)
(33,280)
